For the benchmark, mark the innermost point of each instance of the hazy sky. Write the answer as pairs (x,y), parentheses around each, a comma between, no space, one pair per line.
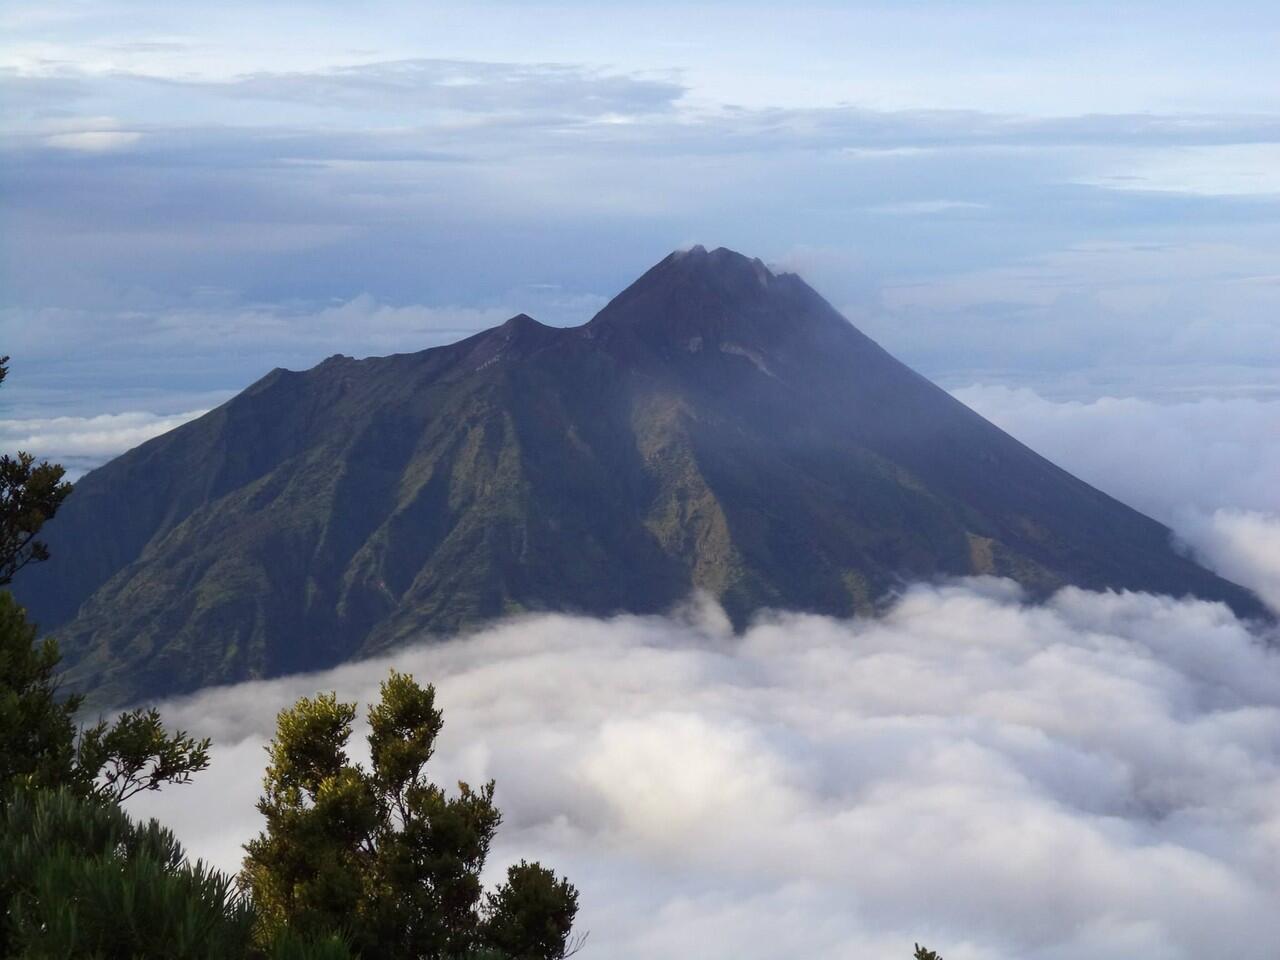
(1084,197)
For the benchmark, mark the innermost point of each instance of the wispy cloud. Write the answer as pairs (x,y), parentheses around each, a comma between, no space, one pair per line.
(93,141)
(1244,169)
(461,86)
(912,208)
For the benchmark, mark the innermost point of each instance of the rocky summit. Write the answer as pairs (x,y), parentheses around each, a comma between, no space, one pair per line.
(717,426)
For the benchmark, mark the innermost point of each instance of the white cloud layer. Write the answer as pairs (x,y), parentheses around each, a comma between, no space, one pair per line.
(1098,777)
(1242,545)
(103,435)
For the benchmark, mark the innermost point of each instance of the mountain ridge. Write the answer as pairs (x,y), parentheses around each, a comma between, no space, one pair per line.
(716,426)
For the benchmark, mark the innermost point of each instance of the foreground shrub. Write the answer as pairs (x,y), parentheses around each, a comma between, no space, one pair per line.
(384,856)
(81,879)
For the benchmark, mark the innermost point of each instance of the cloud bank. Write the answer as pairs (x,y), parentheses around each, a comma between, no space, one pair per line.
(1095,777)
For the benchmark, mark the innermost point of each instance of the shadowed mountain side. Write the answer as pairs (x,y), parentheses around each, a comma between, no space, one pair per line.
(715,426)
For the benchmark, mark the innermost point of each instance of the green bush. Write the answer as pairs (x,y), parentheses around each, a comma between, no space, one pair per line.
(81,879)
(384,856)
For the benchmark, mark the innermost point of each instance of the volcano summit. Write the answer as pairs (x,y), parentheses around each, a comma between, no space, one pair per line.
(717,426)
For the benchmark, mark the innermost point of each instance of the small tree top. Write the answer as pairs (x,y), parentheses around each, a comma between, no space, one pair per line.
(30,494)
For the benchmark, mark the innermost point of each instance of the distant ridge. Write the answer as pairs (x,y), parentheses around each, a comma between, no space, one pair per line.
(716,426)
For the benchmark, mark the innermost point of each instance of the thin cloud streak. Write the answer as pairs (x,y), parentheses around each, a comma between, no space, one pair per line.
(461,86)
(531,94)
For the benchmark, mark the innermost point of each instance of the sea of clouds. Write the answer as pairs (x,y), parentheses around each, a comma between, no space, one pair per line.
(1094,777)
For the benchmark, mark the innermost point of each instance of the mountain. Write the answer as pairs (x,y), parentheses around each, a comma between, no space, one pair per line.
(716,426)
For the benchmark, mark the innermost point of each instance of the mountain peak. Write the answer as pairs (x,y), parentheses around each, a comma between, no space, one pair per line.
(721,265)
(522,325)
(716,297)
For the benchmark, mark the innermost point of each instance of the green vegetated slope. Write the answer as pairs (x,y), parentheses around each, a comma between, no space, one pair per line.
(716,426)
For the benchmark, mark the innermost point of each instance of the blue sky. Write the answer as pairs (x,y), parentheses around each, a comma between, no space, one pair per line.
(1075,197)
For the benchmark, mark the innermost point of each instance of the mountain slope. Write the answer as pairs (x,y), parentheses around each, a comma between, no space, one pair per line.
(715,426)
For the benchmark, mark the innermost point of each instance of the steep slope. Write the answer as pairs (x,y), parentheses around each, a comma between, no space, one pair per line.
(715,426)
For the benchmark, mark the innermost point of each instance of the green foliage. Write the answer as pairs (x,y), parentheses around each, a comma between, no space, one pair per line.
(923,954)
(402,732)
(37,729)
(136,754)
(383,855)
(308,870)
(39,746)
(82,880)
(30,494)
(530,916)
(289,946)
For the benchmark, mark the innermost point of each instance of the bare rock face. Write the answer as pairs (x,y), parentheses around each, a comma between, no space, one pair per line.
(716,426)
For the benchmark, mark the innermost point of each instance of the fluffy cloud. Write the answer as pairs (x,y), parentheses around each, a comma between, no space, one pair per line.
(1206,467)
(1096,777)
(1242,545)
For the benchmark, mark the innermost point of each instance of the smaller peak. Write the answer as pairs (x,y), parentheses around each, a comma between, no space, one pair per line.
(521,333)
(724,254)
(522,321)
